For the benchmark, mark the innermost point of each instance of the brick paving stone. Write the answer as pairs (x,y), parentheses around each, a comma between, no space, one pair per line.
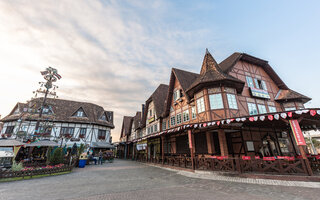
(131,180)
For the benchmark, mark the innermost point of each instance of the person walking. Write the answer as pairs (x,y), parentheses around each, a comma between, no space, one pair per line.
(100,157)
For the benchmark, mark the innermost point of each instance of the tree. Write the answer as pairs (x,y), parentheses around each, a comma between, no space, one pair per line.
(57,157)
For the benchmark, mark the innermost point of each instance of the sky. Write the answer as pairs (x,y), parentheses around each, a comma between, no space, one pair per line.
(115,53)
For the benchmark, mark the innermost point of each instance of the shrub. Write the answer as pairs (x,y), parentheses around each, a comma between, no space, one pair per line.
(57,157)
(16,166)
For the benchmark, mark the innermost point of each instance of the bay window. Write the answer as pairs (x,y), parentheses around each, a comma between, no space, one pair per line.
(232,101)
(200,105)
(216,101)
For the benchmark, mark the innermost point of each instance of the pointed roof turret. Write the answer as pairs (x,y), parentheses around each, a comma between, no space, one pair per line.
(208,63)
(212,74)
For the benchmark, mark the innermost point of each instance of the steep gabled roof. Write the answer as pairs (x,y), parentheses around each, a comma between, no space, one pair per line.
(212,73)
(284,95)
(227,65)
(137,120)
(159,99)
(185,79)
(63,111)
(126,126)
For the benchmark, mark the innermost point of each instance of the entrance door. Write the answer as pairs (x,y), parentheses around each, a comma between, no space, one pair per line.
(216,143)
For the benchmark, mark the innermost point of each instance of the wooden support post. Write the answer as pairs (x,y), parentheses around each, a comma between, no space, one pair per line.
(191,147)
(162,148)
(223,142)
(306,160)
(209,142)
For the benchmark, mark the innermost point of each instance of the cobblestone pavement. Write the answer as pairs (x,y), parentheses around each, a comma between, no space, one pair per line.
(132,180)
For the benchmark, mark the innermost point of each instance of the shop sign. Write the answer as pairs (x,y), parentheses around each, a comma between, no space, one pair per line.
(151,119)
(246,158)
(269,158)
(297,132)
(259,93)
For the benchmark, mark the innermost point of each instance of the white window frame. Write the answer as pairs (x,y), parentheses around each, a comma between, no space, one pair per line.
(172,121)
(193,112)
(272,109)
(262,109)
(216,101)
(179,118)
(290,108)
(200,105)
(249,81)
(251,106)
(232,101)
(186,116)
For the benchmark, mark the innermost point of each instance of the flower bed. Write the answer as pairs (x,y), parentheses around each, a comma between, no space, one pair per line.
(34,171)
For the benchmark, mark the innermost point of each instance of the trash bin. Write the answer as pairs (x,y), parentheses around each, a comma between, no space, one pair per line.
(83,160)
(82,163)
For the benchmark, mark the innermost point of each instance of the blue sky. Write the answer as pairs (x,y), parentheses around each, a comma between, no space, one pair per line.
(115,53)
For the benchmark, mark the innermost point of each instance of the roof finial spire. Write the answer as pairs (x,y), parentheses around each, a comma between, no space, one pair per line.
(207,51)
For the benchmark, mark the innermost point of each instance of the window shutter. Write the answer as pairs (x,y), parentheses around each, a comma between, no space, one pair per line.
(264,85)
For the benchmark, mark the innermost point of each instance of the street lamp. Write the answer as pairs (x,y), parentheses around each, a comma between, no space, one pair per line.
(50,75)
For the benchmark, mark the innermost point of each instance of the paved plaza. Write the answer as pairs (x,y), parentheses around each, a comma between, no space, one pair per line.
(132,180)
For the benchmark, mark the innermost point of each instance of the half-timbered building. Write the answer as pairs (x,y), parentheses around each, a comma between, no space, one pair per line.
(62,120)
(231,113)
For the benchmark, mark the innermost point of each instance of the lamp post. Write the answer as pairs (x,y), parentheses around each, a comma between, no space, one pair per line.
(50,75)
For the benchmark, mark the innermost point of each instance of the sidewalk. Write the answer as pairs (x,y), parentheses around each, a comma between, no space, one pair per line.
(244,178)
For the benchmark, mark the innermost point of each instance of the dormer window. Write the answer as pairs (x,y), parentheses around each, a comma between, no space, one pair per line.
(80,113)
(249,81)
(103,117)
(260,84)
(177,94)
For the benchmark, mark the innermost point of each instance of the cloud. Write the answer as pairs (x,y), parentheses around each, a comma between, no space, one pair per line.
(109,53)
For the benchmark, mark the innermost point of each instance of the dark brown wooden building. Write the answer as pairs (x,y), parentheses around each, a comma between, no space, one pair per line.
(230,113)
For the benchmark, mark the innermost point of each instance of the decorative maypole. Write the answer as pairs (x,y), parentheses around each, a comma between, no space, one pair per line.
(50,75)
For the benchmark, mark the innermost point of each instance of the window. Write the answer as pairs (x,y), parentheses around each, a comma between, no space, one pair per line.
(200,105)
(177,94)
(155,128)
(164,125)
(252,109)
(179,118)
(46,110)
(272,109)
(262,109)
(173,120)
(289,108)
(232,101)
(82,133)
(9,129)
(249,81)
(151,129)
(260,84)
(104,117)
(148,131)
(80,113)
(185,115)
(150,113)
(216,101)
(67,131)
(193,112)
(101,134)
(168,123)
